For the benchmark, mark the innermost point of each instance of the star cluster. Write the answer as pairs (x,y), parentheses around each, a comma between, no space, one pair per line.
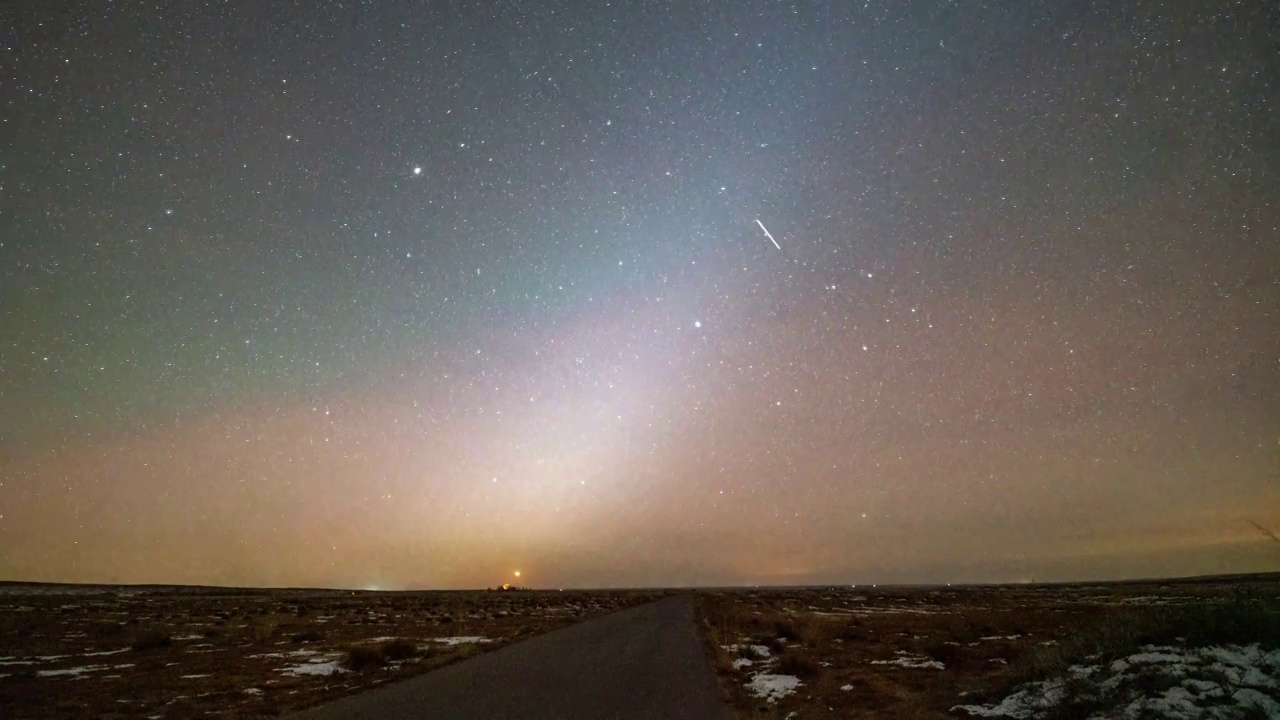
(411,294)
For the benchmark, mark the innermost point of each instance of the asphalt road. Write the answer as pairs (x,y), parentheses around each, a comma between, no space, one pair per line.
(646,662)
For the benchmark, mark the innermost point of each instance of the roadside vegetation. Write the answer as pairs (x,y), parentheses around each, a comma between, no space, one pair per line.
(72,651)
(1206,649)
(365,657)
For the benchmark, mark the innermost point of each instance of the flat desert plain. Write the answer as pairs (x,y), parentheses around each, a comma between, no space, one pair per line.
(120,652)
(1200,648)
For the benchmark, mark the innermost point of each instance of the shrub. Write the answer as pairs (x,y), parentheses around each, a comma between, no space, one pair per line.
(1083,698)
(1242,621)
(399,649)
(151,639)
(307,636)
(818,631)
(361,658)
(801,666)
(1245,620)
(944,652)
(786,630)
(108,629)
(364,657)
(262,631)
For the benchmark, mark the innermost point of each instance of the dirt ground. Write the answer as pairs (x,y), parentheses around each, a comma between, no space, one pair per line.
(866,652)
(109,652)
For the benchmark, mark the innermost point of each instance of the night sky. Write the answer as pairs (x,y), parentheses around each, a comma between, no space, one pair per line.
(417,294)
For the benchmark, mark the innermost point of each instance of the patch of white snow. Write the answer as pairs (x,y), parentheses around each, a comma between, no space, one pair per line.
(70,672)
(462,639)
(907,660)
(313,668)
(773,687)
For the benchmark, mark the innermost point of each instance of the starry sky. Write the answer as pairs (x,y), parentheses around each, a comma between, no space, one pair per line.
(414,294)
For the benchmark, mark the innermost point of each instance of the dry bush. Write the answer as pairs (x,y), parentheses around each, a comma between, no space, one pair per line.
(361,658)
(946,652)
(725,621)
(263,631)
(818,631)
(305,636)
(961,629)
(399,649)
(150,639)
(787,630)
(799,664)
(855,632)
(107,630)
(365,657)
(1243,620)
(1084,698)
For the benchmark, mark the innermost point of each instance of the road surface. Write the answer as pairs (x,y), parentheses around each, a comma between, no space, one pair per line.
(646,662)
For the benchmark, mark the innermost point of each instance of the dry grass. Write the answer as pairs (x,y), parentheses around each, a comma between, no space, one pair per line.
(989,639)
(150,639)
(1236,619)
(191,652)
(306,636)
(263,631)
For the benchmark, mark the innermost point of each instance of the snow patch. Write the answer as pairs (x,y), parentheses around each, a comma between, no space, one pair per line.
(74,672)
(462,640)
(773,687)
(313,668)
(907,660)
(1231,678)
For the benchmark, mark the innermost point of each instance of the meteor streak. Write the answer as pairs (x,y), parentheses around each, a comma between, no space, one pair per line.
(766,234)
